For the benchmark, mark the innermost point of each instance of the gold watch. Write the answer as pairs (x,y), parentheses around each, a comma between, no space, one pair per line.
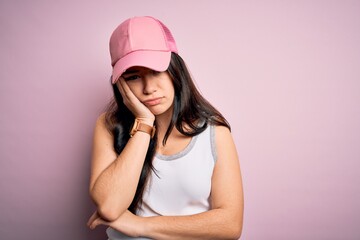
(142,127)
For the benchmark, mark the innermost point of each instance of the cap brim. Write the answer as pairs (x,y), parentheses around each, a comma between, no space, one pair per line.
(156,60)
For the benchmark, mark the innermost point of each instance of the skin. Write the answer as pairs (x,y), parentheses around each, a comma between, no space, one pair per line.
(113,181)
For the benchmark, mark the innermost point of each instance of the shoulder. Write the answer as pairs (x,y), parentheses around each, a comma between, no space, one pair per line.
(223,143)
(221,130)
(101,120)
(221,135)
(101,129)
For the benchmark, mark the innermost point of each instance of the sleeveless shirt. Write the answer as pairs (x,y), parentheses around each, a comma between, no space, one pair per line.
(181,183)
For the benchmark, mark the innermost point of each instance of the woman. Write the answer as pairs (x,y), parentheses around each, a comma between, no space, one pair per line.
(164,164)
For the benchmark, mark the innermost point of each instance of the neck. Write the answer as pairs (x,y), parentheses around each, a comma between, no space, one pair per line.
(162,123)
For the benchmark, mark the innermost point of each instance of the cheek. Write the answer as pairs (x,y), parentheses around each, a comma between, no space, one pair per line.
(168,86)
(171,89)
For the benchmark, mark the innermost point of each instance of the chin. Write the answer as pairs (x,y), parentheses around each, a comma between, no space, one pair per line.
(158,113)
(161,111)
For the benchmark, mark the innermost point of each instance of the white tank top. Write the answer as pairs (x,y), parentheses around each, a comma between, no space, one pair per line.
(182,182)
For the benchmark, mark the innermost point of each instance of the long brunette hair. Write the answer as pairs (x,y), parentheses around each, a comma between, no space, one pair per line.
(190,109)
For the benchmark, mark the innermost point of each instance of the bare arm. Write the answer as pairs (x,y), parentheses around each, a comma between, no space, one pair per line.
(114,179)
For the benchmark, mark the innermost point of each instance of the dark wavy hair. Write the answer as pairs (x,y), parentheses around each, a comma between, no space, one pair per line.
(191,115)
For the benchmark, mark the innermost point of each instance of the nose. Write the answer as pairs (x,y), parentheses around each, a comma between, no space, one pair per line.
(149,84)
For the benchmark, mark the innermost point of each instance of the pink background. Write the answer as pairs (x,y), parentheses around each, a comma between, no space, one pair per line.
(286,74)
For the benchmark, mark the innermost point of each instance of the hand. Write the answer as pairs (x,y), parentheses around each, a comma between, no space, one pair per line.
(139,110)
(128,223)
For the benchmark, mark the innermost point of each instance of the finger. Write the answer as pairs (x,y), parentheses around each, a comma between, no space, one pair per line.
(92,218)
(94,223)
(98,221)
(126,90)
(130,100)
(123,84)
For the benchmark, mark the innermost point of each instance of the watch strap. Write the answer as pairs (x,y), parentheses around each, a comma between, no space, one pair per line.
(142,127)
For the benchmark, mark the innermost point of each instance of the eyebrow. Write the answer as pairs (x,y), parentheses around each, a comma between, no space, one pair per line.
(130,71)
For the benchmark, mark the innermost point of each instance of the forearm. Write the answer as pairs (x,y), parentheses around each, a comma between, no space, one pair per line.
(115,188)
(213,224)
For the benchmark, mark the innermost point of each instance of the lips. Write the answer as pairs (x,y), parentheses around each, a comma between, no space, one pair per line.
(153,101)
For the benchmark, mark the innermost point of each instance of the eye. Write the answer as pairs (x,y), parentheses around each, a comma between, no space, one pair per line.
(132,77)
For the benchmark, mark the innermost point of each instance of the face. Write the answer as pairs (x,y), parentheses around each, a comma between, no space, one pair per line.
(154,89)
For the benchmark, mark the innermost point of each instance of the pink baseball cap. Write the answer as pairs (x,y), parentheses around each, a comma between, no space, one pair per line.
(141,41)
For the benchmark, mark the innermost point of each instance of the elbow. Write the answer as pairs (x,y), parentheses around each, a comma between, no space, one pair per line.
(107,211)
(237,230)
(234,230)
(232,233)
(109,214)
